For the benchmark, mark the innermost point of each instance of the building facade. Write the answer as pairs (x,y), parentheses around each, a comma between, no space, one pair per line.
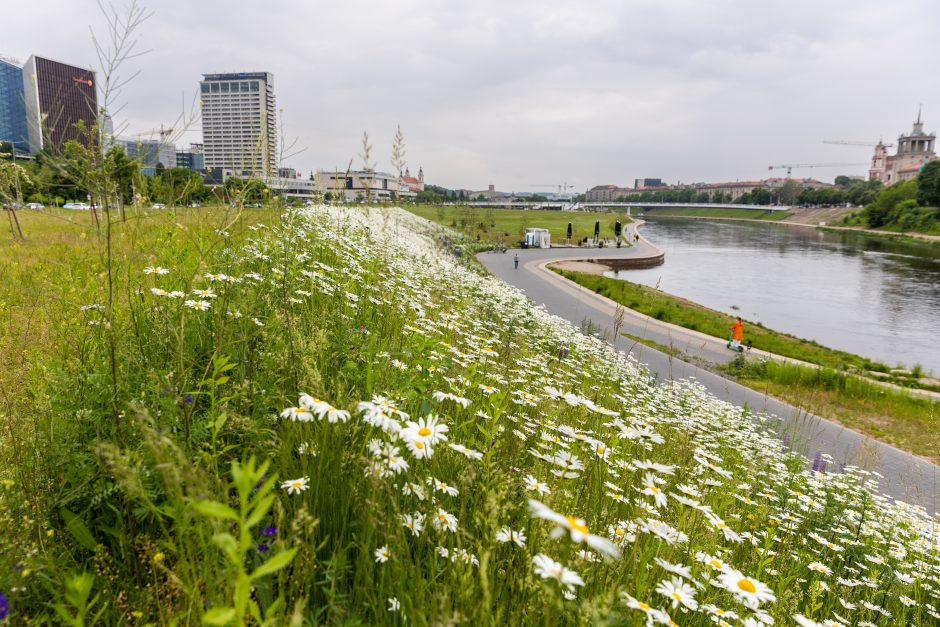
(914,150)
(410,185)
(192,159)
(146,152)
(360,185)
(13,106)
(239,123)
(167,154)
(57,97)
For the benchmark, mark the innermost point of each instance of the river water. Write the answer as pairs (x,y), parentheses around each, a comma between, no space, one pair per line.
(870,296)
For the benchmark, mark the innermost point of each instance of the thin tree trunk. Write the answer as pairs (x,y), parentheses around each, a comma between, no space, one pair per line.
(17,220)
(10,218)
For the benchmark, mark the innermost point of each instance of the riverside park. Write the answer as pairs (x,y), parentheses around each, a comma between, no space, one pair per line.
(324,414)
(460,314)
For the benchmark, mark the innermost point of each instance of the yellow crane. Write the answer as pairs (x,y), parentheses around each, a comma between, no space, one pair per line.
(162,132)
(843,142)
(789,167)
(562,188)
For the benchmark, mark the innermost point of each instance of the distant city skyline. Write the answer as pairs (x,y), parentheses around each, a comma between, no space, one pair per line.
(527,95)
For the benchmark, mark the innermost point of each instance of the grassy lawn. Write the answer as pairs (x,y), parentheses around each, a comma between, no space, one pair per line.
(685,313)
(910,423)
(510,224)
(716,212)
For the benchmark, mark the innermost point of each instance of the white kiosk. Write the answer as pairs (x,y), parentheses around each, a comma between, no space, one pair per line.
(538,238)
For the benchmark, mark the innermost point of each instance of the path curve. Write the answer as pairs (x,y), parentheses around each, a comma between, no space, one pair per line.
(905,476)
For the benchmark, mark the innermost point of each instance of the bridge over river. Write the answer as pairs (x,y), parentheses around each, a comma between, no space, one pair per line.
(600,206)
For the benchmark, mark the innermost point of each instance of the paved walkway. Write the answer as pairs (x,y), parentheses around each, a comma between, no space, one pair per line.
(905,476)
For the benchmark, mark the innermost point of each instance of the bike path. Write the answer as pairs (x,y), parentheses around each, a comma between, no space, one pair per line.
(905,476)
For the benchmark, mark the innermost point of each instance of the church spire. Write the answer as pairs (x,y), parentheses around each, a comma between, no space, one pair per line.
(918,125)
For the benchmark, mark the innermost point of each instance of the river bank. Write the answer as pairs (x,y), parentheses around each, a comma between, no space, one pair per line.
(674,354)
(862,395)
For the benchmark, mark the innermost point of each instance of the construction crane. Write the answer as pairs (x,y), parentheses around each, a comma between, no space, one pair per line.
(562,189)
(789,167)
(162,132)
(854,143)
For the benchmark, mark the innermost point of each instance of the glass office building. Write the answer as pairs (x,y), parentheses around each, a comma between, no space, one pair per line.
(13,107)
(58,96)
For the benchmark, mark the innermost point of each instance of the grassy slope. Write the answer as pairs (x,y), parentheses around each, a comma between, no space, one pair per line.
(510,224)
(911,424)
(156,513)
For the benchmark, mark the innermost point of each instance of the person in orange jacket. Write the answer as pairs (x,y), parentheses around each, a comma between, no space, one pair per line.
(737,334)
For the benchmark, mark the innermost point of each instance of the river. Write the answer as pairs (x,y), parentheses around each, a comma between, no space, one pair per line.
(871,296)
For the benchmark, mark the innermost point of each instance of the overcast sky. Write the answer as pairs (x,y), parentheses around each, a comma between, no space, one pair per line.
(520,93)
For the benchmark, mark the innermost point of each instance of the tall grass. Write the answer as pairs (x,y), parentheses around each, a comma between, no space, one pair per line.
(909,422)
(232,497)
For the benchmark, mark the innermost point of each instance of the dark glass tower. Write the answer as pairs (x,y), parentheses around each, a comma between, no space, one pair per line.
(57,96)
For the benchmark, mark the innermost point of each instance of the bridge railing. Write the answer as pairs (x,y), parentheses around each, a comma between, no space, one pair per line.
(587,206)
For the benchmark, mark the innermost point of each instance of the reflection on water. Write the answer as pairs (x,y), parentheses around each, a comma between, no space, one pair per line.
(870,296)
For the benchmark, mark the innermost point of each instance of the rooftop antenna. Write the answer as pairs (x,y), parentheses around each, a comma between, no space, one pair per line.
(918,111)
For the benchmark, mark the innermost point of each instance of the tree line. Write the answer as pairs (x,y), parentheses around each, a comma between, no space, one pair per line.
(912,205)
(847,191)
(57,178)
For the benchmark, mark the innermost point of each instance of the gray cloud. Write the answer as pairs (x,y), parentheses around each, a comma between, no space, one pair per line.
(524,92)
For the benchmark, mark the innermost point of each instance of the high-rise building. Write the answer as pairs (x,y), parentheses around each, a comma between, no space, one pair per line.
(12,106)
(57,97)
(239,123)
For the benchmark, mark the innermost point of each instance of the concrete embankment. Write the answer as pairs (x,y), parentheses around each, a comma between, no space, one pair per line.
(642,255)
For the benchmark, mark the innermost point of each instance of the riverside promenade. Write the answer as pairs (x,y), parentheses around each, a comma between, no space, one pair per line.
(905,476)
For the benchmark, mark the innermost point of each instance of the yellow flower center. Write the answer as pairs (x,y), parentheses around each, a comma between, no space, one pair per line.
(675,595)
(600,450)
(419,445)
(747,585)
(574,524)
(619,531)
(715,564)
(424,432)
(643,606)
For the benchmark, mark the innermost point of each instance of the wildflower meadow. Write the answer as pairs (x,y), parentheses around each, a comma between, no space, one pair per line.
(333,415)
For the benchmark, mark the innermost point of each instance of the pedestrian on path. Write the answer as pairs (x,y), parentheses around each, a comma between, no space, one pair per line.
(737,334)
(516,261)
